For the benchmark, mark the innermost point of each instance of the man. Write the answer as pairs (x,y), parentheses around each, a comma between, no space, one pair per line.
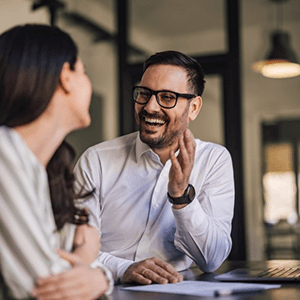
(162,198)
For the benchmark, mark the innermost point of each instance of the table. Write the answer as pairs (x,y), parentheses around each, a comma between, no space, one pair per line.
(288,291)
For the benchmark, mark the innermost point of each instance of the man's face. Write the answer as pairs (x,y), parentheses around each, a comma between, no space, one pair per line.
(160,127)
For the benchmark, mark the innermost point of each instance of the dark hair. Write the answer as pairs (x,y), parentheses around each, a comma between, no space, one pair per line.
(61,184)
(194,70)
(31,60)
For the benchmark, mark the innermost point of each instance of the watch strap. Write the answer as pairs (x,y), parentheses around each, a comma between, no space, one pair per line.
(188,196)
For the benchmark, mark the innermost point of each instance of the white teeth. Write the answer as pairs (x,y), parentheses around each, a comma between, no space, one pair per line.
(154,121)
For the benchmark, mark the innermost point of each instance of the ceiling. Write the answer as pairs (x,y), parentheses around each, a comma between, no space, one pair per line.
(178,17)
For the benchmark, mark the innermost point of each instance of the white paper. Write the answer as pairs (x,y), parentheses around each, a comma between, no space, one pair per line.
(203,288)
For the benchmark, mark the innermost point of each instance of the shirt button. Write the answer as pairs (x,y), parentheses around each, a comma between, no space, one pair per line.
(156,205)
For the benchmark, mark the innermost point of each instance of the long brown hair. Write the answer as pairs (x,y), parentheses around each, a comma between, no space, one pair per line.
(61,183)
(31,60)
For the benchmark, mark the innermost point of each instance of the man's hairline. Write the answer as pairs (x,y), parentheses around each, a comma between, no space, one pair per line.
(189,84)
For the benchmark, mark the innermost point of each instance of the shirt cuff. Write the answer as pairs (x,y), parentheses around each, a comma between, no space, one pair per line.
(122,269)
(116,265)
(190,217)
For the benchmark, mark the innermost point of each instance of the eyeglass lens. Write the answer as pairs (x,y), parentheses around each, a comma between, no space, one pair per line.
(164,99)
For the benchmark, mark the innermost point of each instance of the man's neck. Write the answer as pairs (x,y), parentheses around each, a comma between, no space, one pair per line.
(164,153)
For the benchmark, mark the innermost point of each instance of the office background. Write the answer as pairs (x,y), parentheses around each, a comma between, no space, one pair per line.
(198,28)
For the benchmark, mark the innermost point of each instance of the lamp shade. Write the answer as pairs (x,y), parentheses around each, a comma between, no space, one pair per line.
(281,62)
(283,59)
(281,47)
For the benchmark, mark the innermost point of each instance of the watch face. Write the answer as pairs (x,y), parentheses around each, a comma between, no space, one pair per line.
(191,192)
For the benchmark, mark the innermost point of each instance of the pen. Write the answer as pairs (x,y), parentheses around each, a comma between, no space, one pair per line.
(227,292)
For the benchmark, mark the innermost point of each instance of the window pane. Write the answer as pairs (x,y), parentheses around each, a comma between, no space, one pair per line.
(298,163)
(279,183)
(208,126)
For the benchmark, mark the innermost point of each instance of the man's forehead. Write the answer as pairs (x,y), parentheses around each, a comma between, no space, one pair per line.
(165,73)
(171,67)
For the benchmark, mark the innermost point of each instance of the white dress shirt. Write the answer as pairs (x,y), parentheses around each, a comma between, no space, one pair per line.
(28,236)
(134,217)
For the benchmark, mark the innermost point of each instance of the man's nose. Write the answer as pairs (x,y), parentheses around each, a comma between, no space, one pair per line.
(152,104)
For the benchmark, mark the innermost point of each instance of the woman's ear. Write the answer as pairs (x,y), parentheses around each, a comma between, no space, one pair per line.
(65,78)
(195,106)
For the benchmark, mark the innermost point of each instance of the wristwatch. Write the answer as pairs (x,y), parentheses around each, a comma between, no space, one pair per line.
(188,196)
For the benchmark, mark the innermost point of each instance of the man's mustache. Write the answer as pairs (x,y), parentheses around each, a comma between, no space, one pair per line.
(145,114)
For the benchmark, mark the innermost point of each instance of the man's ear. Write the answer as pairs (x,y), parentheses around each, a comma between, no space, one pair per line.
(195,106)
(65,78)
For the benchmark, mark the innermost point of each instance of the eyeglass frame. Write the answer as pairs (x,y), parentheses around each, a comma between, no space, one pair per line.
(187,96)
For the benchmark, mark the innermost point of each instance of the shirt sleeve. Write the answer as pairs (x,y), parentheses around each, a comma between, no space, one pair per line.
(26,252)
(203,227)
(87,171)
(116,265)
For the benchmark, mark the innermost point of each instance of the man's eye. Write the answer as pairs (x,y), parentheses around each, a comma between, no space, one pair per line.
(167,97)
(144,94)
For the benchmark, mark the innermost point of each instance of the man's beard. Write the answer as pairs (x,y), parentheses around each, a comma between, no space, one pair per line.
(166,139)
(160,142)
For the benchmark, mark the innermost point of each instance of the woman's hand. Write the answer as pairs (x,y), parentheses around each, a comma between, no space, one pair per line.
(80,282)
(86,243)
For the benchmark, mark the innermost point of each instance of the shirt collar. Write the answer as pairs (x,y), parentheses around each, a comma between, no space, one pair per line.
(141,148)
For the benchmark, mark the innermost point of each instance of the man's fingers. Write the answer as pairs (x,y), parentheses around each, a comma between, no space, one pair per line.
(187,148)
(182,146)
(165,271)
(154,276)
(173,275)
(175,163)
(138,277)
(183,163)
(151,270)
(165,275)
(142,279)
(166,266)
(135,273)
(190,144)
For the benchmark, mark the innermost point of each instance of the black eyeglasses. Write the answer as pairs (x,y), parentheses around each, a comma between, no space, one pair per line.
(165,98)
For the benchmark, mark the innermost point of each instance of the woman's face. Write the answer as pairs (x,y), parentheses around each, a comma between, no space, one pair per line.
(81,94)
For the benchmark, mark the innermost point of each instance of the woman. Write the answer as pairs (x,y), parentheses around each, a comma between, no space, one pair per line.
(44,94)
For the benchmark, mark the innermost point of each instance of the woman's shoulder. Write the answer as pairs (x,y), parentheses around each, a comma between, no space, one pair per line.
(8,145)
(16,157)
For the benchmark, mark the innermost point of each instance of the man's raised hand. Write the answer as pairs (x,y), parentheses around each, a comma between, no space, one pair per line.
(182,165)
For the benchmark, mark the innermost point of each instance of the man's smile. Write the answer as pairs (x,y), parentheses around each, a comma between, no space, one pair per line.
(154,121)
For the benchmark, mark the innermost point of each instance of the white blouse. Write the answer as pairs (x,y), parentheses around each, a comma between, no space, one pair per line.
(28,235)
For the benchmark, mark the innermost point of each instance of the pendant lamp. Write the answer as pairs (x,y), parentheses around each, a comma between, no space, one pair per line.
(281,61)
